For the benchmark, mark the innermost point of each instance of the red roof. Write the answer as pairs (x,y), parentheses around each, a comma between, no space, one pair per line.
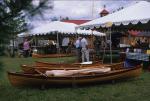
(104,12)
(78,22)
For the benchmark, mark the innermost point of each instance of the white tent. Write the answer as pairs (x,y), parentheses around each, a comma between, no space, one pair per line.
(61,27)
(132,14)
(55,26)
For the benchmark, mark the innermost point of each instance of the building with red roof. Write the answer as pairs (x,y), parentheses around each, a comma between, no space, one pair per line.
(104,12)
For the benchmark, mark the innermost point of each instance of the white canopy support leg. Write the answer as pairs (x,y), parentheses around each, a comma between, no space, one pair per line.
(110,44)
(57,45)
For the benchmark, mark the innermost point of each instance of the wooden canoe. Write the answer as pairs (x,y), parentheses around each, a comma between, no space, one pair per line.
(31,69)
(35,55)
(47,66)
(22,79)
(40,63)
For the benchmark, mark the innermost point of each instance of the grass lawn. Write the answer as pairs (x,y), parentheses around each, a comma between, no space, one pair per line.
(136,89)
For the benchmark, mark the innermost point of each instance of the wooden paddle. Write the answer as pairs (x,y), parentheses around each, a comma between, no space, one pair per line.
(40,73)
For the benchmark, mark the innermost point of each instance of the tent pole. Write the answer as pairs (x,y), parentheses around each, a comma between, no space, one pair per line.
(76,33)
(58,50)
(92,35)
(13,47)
(92,46)
(35,41)
(109,25)
(110,44)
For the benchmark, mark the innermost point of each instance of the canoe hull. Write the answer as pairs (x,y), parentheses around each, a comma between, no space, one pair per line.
(20,79)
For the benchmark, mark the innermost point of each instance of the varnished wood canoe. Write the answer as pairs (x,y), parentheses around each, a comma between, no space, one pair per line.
(23,79)
(35,55)
(43,66)
(49,66)
(40,63)
(31,69)
(95,63)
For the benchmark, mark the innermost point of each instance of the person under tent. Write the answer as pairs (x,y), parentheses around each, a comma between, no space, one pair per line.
(97,47)
(26,47)
(84,50)
(65,43)
(78,49)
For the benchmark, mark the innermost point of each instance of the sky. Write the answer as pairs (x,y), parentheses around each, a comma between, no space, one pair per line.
(82,9)
(86,9)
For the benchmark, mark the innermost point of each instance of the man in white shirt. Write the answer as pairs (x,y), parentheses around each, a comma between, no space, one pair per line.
(65,43)
(78,49)
(84,50)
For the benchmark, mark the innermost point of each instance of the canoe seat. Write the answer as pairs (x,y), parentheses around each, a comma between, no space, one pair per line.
(117,66)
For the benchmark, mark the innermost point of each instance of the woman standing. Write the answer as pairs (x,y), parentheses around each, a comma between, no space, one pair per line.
(26,47)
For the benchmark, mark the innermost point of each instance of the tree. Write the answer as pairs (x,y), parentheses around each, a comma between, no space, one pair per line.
(13,15)
(54,19)
(63,18)
(66,18)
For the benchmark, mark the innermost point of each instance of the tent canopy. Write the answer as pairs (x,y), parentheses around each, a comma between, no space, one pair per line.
(132,14)
(61,27)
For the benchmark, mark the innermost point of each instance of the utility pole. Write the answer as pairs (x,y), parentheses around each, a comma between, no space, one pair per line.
(92,9)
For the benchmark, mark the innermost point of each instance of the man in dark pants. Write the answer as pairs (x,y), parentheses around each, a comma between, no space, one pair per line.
(78,49)
(97,45)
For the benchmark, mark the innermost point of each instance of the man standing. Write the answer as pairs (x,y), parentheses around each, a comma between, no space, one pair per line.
(84,50)
(97,46)
(78,48)
(65,43)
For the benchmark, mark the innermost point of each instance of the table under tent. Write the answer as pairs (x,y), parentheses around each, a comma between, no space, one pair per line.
(124,21)
(48,38)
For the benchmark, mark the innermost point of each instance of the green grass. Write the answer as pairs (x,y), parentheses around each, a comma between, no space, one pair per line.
(136,89)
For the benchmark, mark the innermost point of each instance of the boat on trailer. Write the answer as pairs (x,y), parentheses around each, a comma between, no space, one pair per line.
(79,78)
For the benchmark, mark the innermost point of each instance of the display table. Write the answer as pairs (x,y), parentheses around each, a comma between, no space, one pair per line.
(139,57)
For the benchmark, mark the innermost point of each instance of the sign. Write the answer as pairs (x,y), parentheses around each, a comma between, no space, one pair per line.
(108,24)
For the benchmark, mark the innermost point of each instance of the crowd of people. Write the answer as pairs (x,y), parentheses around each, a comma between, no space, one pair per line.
(82,48)
(81,45)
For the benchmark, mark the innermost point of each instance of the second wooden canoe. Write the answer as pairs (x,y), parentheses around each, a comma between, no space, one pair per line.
(47,64)
(32,69)
(34,55)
